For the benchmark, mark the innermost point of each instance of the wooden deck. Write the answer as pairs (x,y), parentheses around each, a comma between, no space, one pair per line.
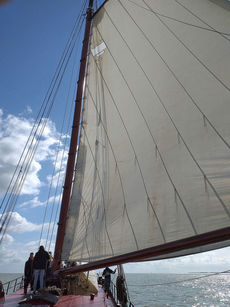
(84,301)
(12,300)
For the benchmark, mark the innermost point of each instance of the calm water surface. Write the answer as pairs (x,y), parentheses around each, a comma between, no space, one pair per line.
(210,291)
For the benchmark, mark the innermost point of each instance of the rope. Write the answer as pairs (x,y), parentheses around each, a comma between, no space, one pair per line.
(57,152)
(30,148)
(183,22)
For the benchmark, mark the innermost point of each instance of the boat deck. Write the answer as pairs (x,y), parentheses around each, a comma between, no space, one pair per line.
(12,300)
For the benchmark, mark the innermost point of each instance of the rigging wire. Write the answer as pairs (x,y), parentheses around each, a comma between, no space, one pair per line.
(221,33)
(40,113)
(62,159)
(95,170)
(211,29)
(29,150)
(73,43)
(65,143)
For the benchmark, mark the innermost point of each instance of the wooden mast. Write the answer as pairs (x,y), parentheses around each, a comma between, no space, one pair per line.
(73,142)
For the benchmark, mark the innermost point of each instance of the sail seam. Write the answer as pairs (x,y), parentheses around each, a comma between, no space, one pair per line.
(101,188)
(177,79)
(217,195)
(154,141)
(212,29)
(135,155)
(122,187)
(171,119)
(190,51)
(184,22)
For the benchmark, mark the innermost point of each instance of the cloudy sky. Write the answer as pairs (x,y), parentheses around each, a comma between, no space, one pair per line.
(28,57)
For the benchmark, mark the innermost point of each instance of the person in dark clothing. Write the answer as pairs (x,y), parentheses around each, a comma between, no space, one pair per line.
(2,293)
(40,265)
(107,274)
(28,273)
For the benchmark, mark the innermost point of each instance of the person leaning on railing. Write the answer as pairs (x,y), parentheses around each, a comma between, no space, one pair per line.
(107,274)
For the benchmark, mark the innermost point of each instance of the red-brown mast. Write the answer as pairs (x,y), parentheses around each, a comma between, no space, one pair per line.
(73,142)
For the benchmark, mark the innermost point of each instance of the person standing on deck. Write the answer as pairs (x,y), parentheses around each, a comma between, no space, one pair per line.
(40,265)
(28,273)
(107,274)
(2,293)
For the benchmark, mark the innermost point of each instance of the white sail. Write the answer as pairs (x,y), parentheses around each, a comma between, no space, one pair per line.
(154,154)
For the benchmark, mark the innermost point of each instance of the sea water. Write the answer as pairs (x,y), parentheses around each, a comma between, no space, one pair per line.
(147,290)
(158,290)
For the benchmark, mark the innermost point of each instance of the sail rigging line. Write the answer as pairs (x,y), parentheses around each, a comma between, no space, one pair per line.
(190,51)
(74,141)
(17,189)
(61,164)
(132,146)
(119,173)
(34,134)
(171,119)
(157,149)
(180,281)
(81,123)
(93,223)
(40,114)
(94,179)
(103,198)
(204,116)
(139,108)
(58,151)
(211,29)
(103,122)
(55,218)
(85,239)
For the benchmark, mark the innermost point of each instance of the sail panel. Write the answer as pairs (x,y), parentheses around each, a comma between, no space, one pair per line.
(153,165)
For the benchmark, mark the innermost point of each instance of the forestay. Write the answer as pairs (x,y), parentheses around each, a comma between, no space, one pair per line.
(154,154)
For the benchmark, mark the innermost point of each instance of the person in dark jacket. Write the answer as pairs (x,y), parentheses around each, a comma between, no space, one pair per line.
(2,293)
(28,273)
(107,274)
(40,265)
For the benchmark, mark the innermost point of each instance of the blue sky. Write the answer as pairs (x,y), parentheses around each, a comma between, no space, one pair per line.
(33,35)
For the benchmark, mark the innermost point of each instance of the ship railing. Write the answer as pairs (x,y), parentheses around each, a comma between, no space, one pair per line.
(13,285)
(113,290)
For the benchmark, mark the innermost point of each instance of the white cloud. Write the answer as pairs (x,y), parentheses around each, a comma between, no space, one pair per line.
(19,224)
(14,131)
(29,109)
(212,261)
(8,239)
(35,202)
(13,255)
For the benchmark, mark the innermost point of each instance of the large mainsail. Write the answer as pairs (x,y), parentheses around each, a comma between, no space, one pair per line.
(154,152)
